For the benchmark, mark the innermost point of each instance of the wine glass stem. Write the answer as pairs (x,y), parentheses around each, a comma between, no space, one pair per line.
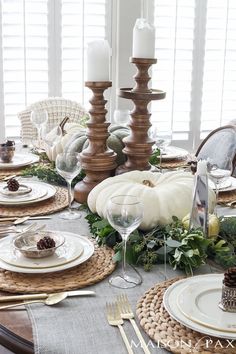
(39,136)
(160,160)
(217,194)
(69,195)
(124,257)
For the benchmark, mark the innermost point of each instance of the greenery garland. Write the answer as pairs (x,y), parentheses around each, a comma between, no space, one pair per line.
(186,250)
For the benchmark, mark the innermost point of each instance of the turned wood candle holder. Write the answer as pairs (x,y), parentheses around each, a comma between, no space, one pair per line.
(97,160)
(138,145)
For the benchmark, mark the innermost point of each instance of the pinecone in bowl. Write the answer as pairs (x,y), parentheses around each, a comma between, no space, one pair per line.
(13,185)
(228,299)
(45,243)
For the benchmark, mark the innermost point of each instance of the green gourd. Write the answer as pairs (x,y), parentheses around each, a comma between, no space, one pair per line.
(79,141)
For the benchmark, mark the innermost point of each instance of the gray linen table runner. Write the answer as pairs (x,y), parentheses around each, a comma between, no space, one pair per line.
(78,325)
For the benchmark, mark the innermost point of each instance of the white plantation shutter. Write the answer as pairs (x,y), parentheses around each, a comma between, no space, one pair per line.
(174,22)
(219,85)
(43,50)
(196,51)
(25,59)
(82,22)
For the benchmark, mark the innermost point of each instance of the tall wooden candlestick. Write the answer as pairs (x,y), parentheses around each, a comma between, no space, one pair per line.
(97,160)
(138,145)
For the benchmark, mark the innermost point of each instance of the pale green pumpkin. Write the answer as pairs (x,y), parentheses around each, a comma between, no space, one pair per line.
(79,141)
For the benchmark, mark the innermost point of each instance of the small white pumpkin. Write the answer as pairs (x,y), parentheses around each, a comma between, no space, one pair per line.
(53,149)
(162,195)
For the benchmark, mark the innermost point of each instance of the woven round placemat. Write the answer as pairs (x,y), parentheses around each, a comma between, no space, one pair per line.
(227,197)
(169,164)
(10,172)
(167,333)
(57,203)
(98,267)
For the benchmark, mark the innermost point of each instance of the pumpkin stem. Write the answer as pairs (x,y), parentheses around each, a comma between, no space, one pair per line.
(62,125)
(148,183)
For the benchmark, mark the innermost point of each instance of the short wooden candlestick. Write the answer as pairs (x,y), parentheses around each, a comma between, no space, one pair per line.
(138,145)
(97,160)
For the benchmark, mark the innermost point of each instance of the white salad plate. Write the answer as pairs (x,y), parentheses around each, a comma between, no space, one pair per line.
(173,152)
(19,160)
(194,303)
(67,253)
(73,241)
(228,185)
(40,191)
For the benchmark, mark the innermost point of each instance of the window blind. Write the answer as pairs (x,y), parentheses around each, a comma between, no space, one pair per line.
(44,44)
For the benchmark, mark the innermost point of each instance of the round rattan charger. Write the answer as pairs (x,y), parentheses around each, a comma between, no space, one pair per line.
(170,334)
(98,267)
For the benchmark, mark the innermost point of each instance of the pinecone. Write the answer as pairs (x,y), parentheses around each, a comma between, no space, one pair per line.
(45,243)
(230,278)
(13,185)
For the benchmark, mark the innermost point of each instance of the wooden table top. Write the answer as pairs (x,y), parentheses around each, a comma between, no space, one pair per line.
(16,330)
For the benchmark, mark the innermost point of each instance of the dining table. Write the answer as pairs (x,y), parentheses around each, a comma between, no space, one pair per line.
(79,325)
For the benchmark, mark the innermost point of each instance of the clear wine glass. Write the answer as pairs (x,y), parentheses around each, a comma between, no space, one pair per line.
(68,166)
(219,175)
(125,213)
(162,141)
(38,118)
(121,116)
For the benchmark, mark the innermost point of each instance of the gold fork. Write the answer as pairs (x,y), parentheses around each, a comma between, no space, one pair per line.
(127,314)
(114,319)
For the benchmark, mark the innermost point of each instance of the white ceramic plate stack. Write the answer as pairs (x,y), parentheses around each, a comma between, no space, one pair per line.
(39,191)
(173,153)
(194,303)
(228,185)
(76,250)
(19,160)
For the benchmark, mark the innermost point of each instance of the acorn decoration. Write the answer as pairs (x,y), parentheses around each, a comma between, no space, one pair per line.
(13,185)
(230,278)
(45,243)
(228,299)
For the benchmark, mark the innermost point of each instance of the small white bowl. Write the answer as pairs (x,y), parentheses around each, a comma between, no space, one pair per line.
(27,244)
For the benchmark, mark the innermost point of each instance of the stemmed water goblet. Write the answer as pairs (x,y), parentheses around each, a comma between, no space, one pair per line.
(125,213)
(162,141)
(219,174)
(121,116)
(68,166)
(38,118)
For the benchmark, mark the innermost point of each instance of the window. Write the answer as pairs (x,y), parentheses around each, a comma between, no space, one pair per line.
(43,44)
(195,47)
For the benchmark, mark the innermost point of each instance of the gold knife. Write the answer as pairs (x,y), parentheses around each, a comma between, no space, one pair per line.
(43,295)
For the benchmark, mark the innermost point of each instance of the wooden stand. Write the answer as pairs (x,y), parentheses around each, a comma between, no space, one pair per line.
(97,160)
(138,145)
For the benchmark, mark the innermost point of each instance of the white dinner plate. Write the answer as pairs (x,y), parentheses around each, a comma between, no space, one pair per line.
(67,253)
(40,191)
(226,186)
(172,307)
(199,302)
(173,152)
(88,250)
(19,160)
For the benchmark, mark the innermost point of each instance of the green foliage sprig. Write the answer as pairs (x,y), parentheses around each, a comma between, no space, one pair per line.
(183,249)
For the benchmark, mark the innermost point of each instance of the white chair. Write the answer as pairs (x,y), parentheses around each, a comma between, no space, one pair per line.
(58,108)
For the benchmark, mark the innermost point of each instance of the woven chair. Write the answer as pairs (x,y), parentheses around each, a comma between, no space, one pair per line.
(218,145)
(57,108)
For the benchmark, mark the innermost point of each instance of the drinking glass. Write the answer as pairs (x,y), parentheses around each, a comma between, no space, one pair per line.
(162,141)
(125,213)
(121,116)
(68,167)
(38,118)
(219,175)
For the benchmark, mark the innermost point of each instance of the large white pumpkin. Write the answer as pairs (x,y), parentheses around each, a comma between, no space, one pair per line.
(162,195)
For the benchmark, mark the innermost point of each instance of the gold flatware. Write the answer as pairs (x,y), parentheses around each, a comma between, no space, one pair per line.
(52,299)
(6,178)
(127,314)
(17,221)
(44,295)
(114,319)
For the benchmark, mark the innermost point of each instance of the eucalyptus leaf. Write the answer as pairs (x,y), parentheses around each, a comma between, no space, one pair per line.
(173,243)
